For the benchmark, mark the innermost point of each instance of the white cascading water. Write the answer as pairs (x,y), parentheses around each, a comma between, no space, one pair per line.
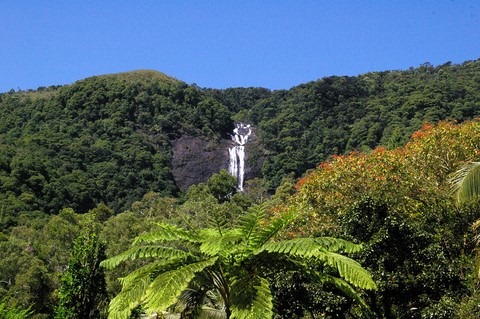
(236,166)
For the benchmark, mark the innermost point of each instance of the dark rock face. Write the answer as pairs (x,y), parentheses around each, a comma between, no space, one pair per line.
(196,159)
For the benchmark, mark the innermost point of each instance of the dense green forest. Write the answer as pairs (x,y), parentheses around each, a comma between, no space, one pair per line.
(104,139)
(86,168)
(305,125)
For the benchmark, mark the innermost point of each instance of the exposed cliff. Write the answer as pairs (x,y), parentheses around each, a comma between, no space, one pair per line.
(196,158)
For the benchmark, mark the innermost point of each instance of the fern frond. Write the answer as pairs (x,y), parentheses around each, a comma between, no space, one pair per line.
(336,244)
(308,247)
(150,270)
(121,307)
(165,233)
(135,285)
(218,219)
(301,247)
(252,298)
(130,296)
(208,232)
(144,252)
(274,227)
(348,269)
(348,290)
(222,245)
(167,287)
(249,222)
(466,182)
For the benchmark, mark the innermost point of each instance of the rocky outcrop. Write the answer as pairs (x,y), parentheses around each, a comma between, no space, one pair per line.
(195,159)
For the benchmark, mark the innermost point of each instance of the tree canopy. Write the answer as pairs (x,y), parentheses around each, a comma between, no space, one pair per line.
(235,263)
(366,159)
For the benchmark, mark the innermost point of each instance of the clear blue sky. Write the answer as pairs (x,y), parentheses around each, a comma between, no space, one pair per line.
(274,44)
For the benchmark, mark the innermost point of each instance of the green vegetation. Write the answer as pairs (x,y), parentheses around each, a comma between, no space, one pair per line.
(82,292)
(98,155)
(233,263)
(419,243)
(13,312)
(303,126)
(101,140)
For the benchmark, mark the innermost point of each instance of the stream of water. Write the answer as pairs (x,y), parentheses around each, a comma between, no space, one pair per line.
(236,166)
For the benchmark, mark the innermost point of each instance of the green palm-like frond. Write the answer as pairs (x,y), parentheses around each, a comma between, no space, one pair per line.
(135,285)
(150,251)
(309,247)
(221,245)
(251,298)
(168,286)
(273,228)
(150,270)
(301,247)
(130,296)
(348,290)
(121,307)
(337,244)
(232,261)
(218,220)
(466,182)
(347,268)
(166,233)
(249,222)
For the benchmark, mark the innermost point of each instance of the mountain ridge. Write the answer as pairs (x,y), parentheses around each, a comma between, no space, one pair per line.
(110,138)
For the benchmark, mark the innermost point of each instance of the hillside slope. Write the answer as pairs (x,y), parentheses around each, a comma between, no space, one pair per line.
(102,139)
(112,138)
(303,126)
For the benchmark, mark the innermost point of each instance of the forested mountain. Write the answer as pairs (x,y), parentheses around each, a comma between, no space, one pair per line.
(99,157)
(302,126)
(109,138)
(103,139)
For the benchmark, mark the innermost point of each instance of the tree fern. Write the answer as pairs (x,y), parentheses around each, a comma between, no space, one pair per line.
(165,233)
(466,182)
(308,247)
(337,245)
(347,268)
(200,300)
(149,271)
(219,245)
(168,286)
(301,247)
(249,222)
(144,252)
(466,185)
(129,298)
(252,298)
(348,290)
(135,285)
(235,261)
(219,221)
(274,227)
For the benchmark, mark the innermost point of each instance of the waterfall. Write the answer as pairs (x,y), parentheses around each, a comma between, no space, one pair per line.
(236,153)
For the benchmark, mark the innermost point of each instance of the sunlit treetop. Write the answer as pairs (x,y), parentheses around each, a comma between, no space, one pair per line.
(409,178)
